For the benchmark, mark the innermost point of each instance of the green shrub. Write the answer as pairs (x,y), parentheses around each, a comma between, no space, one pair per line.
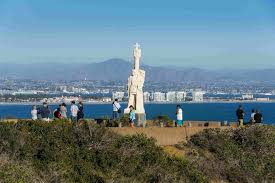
(57,152)
(164,119)
(124,119)
(12,171)
(240,155)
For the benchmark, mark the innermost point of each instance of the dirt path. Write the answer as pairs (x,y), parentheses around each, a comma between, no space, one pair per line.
(164,136)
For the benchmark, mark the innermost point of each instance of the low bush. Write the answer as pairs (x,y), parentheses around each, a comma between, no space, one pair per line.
(239,155)
(124,120)
(163,119)
(38,151)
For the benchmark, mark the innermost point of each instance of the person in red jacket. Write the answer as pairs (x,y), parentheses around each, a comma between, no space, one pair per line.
(57,113)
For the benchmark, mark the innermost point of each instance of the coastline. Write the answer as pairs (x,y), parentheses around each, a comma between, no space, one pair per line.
(161,103)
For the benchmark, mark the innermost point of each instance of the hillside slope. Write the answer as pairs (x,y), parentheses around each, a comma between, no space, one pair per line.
(118,70)
(56,152)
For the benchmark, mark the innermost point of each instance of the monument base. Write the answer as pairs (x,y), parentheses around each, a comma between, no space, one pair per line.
(140,119)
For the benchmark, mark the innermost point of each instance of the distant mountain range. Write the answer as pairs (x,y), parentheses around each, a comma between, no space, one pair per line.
(119,70)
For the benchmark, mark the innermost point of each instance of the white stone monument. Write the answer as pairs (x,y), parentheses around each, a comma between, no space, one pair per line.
(135,87)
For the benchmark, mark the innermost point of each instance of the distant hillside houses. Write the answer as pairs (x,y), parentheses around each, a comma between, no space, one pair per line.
(171,96)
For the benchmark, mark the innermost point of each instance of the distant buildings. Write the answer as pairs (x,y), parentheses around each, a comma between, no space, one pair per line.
(262,99)
(171,96)
(180,96)
(118,95)
(146,97)
(106,99)
(79,90)
(63,89)
(197,96)
(159,97)
(247,97)
(27,92)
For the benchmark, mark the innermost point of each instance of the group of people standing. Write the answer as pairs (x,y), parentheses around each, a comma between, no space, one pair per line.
(44,112)
(256,116)
(77,113)
(132,115)
(117,111)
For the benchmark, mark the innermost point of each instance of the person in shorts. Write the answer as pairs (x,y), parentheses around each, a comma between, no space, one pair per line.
(179,117)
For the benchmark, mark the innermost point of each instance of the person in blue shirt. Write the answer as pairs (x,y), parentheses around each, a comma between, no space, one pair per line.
(132,116)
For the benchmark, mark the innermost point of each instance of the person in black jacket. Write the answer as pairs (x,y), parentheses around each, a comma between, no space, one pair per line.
(258,117)
(80,113)
(45,112)
(240,115)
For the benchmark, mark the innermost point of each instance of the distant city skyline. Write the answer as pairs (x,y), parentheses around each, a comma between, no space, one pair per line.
(203,34)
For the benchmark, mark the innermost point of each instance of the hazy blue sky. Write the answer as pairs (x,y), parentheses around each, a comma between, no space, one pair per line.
(197,33)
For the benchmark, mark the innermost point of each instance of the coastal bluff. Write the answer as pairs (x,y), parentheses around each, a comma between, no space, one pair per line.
(167,136)
(94,153)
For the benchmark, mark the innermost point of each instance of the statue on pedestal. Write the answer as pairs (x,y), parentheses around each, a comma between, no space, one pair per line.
(135,87)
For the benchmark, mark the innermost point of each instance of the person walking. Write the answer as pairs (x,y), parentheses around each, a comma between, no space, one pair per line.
(258,117)
(132,116)
(80,113)
(74,111)
(240,115)
(34,113)
(179,117)
(63,111)
(116,109)
(45,112)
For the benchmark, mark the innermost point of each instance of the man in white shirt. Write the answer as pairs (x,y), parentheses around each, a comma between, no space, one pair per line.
(116,109)
(179,116)
(252,118)
(74,111)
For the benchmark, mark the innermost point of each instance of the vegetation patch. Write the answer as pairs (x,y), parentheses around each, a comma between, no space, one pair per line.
(240,155)
(57,152)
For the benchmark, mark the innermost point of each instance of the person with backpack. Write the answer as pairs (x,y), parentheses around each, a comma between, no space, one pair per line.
(116,109)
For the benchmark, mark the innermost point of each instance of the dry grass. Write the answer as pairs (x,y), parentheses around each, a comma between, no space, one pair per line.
(174,151)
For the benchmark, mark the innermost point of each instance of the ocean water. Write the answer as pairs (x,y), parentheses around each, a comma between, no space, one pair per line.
(191,111)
